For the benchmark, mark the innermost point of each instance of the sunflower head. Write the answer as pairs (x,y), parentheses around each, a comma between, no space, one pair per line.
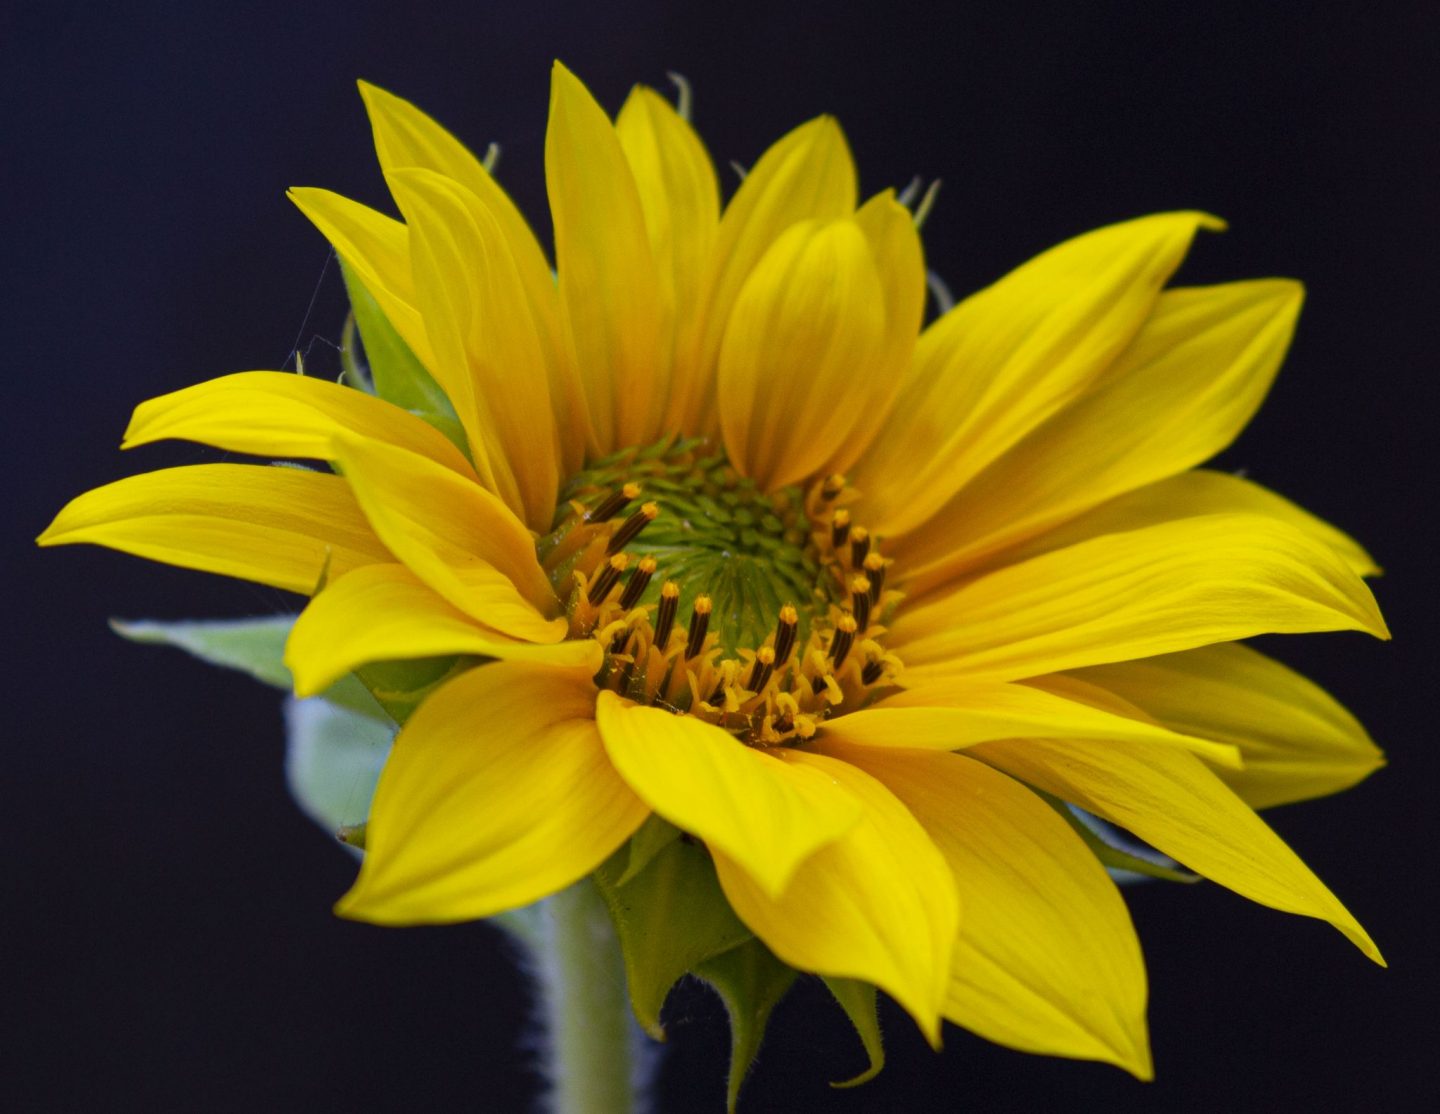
(823,641)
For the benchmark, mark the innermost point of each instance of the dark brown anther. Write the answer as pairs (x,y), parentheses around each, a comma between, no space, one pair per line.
(715,696)
(618,643)
(783,724)
(843,640)
(875,571)
(638,582)
(871,673)
(785,634)
(832,487)
(699,624)
(839,528)
(761,670)
(607,579)
(860,601)
(817,686)
(613,504)
(859,546)
(665,617)
(632,527)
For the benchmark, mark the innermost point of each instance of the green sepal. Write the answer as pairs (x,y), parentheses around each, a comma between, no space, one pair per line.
(252,646)
(400,686)
(393,369)
(653,837)
(750,981)
(333,758)
(857,999)
(353,369)
(670,917)
(1114,858)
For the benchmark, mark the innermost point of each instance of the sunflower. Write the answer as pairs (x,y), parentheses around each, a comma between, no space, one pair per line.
(720,550)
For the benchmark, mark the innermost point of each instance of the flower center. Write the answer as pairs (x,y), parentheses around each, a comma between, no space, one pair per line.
(759,612)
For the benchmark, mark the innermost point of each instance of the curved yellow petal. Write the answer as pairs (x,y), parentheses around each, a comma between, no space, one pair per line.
(1173,802)
(1191,494)
(769,817)
(278,526)
(1005,359)
(609,287)
(894,241)
(680,198)
(455,536)
(806,331)
(497,794)
(489,356)
(878,904)
(1296,740)
(1047,960)
(280,414)
(1154,590)
(377,249)
(406,137)
(807,174)
(386,613)
(963,713)
(1189,382)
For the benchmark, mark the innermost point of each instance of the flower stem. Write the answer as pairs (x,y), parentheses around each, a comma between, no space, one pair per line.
(596,1057)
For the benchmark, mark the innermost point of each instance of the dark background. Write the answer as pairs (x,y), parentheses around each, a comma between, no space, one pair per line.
(171,944)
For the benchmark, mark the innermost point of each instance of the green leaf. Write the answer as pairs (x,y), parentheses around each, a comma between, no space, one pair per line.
(333,757)
(397,375)
(857,999)
(252,646)
(1125,859)
(750,981)
(670,917)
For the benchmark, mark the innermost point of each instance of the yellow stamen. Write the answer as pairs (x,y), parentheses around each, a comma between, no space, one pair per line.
(606,579)
(699,624)
(632,527)
(614,503)
(638,582)
(665,617)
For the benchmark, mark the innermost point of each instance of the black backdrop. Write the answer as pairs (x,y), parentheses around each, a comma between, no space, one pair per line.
(171,945)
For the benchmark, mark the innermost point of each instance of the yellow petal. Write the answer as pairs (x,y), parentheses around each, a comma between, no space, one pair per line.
(766,815)
(894,241)
(497,794)
(956,715)
(1173,802)
(1189,495)
(279,414)
(806,331)
(1047,960)
(1005,359)
(377,249)
(609,287)
(878,904)
(385,613)
(406,137)
(489,356)
(1161,588)
(1179,394)
(681,202)
(1296,740)
(455,536)
(808,174)
(276,526)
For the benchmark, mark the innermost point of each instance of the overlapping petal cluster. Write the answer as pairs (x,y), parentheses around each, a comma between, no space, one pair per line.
(1069,591)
